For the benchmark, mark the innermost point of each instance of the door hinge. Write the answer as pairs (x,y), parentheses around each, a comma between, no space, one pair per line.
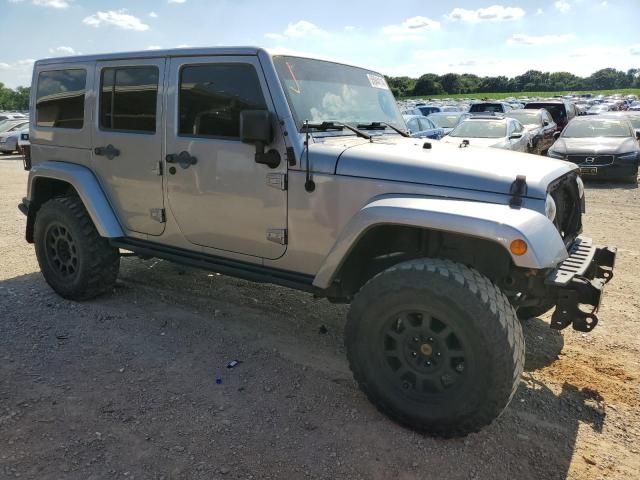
(277,180)
(277,235)
(159,215)
(158,169)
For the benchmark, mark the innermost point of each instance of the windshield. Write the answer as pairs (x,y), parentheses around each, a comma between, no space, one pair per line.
(445,121)
(483,129)
(6,126)
(525,118)
(324,91)
(597,128)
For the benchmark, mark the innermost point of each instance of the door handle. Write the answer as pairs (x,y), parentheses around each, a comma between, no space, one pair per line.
(183,159)
(109,151)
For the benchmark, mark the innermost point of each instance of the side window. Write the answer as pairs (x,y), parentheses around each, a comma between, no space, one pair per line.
(128,99)
(413,125)
(425,124)
(212,97)
(60,99)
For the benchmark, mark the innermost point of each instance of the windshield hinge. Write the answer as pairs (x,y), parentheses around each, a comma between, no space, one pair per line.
(277,180)
(277,235)
(159,215)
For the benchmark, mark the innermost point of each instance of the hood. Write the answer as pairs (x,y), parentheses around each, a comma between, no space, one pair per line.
(596,145)
(474,168)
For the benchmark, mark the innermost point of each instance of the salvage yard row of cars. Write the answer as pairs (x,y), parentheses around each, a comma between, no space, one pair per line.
(14,132)
(599,134)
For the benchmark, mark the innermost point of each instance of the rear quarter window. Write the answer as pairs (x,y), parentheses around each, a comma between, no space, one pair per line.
(60,98)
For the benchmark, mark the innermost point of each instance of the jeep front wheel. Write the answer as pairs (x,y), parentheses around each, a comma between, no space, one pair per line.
(74,259)
(435,346)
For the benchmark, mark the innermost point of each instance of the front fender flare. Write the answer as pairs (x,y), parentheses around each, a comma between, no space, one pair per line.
(89,190)
(494,222)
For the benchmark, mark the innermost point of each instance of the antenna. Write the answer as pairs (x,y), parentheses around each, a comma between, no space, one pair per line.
(309,184)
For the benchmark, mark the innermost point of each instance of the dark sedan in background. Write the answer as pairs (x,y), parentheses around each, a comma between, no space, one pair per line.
(540,126)
(421,127)
(603,147)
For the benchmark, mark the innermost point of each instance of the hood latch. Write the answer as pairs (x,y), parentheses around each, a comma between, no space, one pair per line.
(517,190)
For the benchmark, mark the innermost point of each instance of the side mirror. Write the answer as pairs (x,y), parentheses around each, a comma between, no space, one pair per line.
(515,136)
(256,127)
(545,123)
(557,135)
(638,134)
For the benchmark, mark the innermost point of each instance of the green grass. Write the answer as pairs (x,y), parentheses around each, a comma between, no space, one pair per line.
(499,96)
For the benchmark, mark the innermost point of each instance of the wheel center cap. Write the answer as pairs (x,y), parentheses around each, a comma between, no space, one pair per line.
(426,349)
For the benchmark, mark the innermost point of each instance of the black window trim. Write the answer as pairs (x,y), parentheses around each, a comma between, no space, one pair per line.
(99,96)
(84,103)
(179,96)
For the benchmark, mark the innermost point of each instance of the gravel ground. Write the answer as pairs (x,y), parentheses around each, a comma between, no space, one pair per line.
(126,386)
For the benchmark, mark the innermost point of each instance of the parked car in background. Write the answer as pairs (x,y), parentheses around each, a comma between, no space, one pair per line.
(598,109)
(490,107)
(603,147)
(448,120)
(422,127)
(540,126)
(24,148)
(490,131)
(635,106)
(12,116)
(9,138)
(11,124)
(561,111)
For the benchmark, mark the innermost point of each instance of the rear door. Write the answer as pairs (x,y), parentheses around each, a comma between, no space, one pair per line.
(128,138)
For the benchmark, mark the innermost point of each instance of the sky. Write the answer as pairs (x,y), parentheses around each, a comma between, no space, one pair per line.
(399,37)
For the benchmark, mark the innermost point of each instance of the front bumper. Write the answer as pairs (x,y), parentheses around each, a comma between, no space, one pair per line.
(580,280)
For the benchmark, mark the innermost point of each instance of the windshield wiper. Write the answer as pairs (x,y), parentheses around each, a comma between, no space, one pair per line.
(382,126)
(335,126)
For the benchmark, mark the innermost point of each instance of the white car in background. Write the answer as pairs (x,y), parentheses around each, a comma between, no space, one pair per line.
(490,131)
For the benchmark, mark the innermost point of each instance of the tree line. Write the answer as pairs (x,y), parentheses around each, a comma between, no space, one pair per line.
(14,99)
(531,81)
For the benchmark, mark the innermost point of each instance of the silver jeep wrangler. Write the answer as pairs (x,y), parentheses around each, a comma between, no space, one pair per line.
(299,172)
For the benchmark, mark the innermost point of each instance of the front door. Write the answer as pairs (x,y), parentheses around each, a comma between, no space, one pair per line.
(219,196)
(128,140)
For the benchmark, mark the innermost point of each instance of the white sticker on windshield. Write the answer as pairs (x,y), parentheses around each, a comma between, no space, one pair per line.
(377,81)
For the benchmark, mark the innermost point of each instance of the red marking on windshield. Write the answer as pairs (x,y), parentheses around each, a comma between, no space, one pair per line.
(297,87)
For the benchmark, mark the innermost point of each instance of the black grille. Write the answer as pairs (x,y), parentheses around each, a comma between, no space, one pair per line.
(591,160)
(568,219)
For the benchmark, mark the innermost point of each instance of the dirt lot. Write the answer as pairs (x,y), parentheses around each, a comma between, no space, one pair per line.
(125,386)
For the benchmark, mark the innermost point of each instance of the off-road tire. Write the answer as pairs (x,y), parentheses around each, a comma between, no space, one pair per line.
(485,326)
(525,313)
(74,259)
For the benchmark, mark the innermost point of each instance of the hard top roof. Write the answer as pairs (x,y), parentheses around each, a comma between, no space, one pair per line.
(174,52)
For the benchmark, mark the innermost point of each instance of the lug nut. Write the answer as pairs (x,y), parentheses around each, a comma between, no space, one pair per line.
(414,354)
(460,367)
(438,354)
(430,339)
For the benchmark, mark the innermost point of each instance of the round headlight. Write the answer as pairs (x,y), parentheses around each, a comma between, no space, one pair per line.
(550,208)
(580,186)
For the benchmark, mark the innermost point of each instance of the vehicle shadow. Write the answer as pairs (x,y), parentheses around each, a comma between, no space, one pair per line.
(119,363)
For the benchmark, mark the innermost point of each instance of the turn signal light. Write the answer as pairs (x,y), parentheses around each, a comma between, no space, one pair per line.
(519,247)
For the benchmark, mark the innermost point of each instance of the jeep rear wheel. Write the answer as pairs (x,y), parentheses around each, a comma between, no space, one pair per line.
(435,346)
(74,259)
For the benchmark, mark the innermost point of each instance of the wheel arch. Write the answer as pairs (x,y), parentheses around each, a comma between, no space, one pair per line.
(473,233)
(49,180)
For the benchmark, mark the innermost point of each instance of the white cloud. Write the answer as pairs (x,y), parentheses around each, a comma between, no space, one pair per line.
(562,6)
(62,50)
(492,13)
(119,18)
(635,49)
(300,29)
(177,1)
(522,39)
(411,28)
(153,14)
(154,47)
(539,11)
(47,3)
